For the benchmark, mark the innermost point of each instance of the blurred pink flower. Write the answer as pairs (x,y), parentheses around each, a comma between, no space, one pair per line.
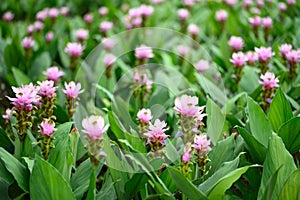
(53,73)
(47,89)
(146,10)
(144,116)
(284,49)
(38,25)
(7,114)
(186,105)
(200,115)
(47,127)
(74,49)
(231,2)
(137,22)
(264,54)
(238,59)
(182,50)
(108,43)
(221,16)
(157,1)
(282,6)
(72,90)
(64,11)
(188,3)
(82,34)
(201,144)
(8,16)
(134,12)
(106,26)
(49,36)
(183,14)
(30,29)
(94,127)
(202,65)
(103,11)
(269,81)
(42,15)
(293,56)
(193,29)
(267,22)
(187,155)
(156,133)
(27,43)
(291,2)
(88,18)
(53,13)
(247,3)
(251,57)
(143,52)
(236,43)
(255,21)
(109,60)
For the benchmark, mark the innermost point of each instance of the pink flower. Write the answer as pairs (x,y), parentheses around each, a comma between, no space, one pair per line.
(72,90)
(144,116)
(200,115)
(284,49)
(30,29)
(143,52)
(94,127)
(182,50)
(267,22)
(186,105)
(42,15)
(282,6)
(103,11)
(230,2)
(236,43)
(27,43)
(251,57)
(264,54)
(291,2)
(88,18)
(183,14)
(141,80)
(53,73)
(26,97)
(221,16)
(193,29)
(260,3)
(238,59)
(8,16)
(38,26)
(47,89)
(156,133)
(134,12)
(109,59)
(106,26)
(82,34)
(53,13)
(188,3)
(157,1)
(202,66)
(47,127)
(108,43)
(74,49)
(64,11)
(187,155)
(293,56)
(146,10)
(255,21)
(49,36)
(269,81)
(201,144)
(137,22)
(7,114)
(247,3)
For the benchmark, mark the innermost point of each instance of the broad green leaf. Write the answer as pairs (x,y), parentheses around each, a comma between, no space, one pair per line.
(280,110)
(291,188)
(49,183)
(226,182)
(256,149)
(20,77)
(249,80)
(107,191)
(134,184)
(5,141)
(215,121)
(5,175)
(290,134)
(92,187)
(16,168)
(259,124)
(40,64)
(276,156)
(116,126)
(185,185)
(270,186)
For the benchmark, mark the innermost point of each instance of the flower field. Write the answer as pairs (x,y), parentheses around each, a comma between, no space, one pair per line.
(150,99)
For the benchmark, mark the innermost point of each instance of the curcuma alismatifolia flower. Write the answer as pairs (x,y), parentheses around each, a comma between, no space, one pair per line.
(109,60)
(144,117)
(202,146)
(74,49)
(143,52)
(238,59)
(202,66)
(27,43)
(269,83)
(264,56)
(82,34)
(236,43)
(8,16)
(47,93)
(45,140)
(53,74)
(72,91)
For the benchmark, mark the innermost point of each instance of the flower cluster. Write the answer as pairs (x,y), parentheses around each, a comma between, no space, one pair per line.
(269,83)
(141,85)
(291,58)
(72,91)
(138,16)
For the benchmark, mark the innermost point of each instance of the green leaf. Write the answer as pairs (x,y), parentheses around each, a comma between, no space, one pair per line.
(249,80)
(256,149)
(276,156)
(5,175)
(290,134)
(40,64)
(185,185)
(280,110)
(291,188)
(16,168)
(116,125)
(134,184)
(259,124)
(107,191)
(215,121)
(5,142)
(270,186)
(47,183)
(92,187)
(20,77)
(226,182)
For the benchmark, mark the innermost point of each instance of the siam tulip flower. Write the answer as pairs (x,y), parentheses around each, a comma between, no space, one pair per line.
(264,54)
(256,11)
(53,13)
(247,3)
(182,50)
(88,18)
(186,105)
(38,26)
(269,81)
(74,49)
(291,2)
(260,3)
(157,1)
(30,29)
(72,90)
(94,127)
(106,26)
(221,16)
(27,43)
(49,36)
(193,30)
(7,114)
(202,145)
(187,155)
(236,43)
(282,6)
(134,12)
(238,59)
(146,10)
(47,89)
(267,22)
(42,15)
(255,21)
(137,22)
(284,49)
(64,11)
(231,3)
(293,57)
(143,52)
(183,14)
(188,3)
(82,34)
(47,127)
(156,133)
(144,116)
(109,59)
(53,73)
(8,16)
(202,66)
(199,116)
(251,57)
(103,11)
(108,43)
